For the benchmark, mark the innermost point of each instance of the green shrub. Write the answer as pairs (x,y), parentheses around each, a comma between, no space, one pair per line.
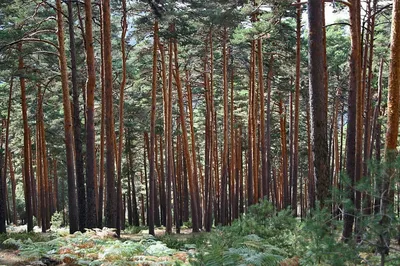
(134,229)
(321,244)
(263,236)
(34,237)
(172,241)
(56,220)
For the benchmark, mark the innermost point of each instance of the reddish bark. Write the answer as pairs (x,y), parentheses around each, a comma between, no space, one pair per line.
(73,210)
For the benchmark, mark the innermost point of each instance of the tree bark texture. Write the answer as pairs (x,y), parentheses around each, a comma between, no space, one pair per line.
(386,192)
(68,127)
(111,210)
(90,131)
(318,100)
(80,181)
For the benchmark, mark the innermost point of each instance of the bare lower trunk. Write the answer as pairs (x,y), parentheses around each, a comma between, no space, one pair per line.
(152,174)
(80,182)
(386,191)
(90,131)
(225,155)
(120,220)
(352,120)
(296,113)
(193,182)
(73,209)
(111,210)
(102,126)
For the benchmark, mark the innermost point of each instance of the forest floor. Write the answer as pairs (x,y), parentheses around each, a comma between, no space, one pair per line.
(99,247)
(276,240)
(10,257)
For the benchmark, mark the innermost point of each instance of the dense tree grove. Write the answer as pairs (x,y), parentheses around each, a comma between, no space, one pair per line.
(171,113)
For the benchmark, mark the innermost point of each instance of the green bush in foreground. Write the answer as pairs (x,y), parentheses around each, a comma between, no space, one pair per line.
(265,236)
(34,237)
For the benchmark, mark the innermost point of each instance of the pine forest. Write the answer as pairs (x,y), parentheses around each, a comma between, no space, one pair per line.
(227,132)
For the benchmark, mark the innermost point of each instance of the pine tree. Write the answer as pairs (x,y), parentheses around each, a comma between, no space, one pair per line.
(68,127)
(90,130)
(111,210)
(318,100)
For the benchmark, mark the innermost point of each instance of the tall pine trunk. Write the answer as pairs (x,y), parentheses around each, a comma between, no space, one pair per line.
(102,124)
(3,176)
(250,131)
(284,160)
(120,220)
(386,192)
(295,157)
(152,174)
(192,137)
(234,167)
(375,136)
(353,168)
(264,168)
(131,173)
(80,182)
(68,128)
(356,38)
(225,155)
(318,100)
(193,182)
(111,210)
(90,131)
(27,172)
(39,168)
(368,104)
(55,183)
(208,144)
(268,127)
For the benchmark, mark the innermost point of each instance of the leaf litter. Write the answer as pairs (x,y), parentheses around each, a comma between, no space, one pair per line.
(97,247)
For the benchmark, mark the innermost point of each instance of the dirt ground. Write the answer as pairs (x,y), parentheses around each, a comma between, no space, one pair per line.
(10,257)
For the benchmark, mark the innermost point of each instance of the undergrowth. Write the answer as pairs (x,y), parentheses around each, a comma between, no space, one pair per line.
(265,236)
(261,237)
(34,237)
(98,248)
(134,229)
